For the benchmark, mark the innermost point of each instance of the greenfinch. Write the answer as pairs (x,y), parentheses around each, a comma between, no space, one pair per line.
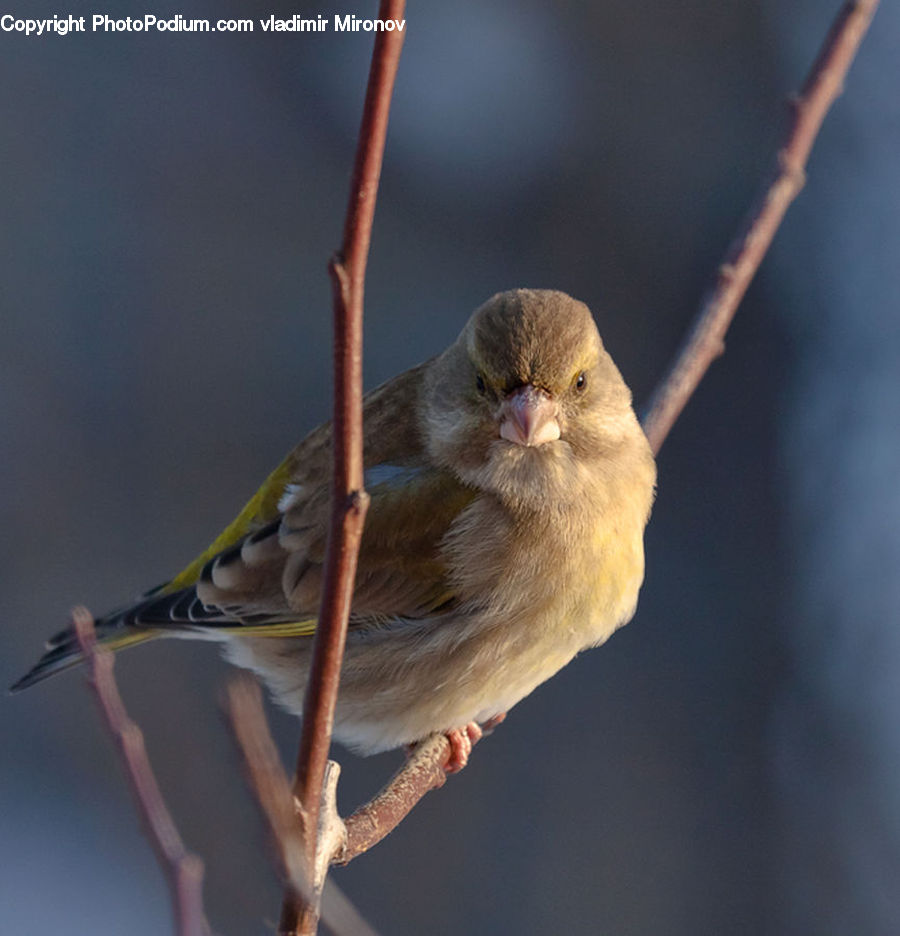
(510,486)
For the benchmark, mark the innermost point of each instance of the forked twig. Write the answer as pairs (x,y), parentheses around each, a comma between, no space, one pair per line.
(183,869)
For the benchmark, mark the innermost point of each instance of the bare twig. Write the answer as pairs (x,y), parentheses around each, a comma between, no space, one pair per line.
(370,823)
(183,869)
(706,339)
(273,793)
(349,500)
(425,770)
(340,915)
(267,779)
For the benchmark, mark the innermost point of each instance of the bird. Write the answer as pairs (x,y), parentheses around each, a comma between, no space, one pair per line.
(510,485)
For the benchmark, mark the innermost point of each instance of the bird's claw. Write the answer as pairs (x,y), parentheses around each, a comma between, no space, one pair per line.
(461,742)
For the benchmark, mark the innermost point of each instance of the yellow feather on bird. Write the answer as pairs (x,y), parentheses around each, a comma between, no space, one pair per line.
(510,486)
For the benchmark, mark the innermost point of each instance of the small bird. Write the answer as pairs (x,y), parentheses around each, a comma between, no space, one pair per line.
(510,486)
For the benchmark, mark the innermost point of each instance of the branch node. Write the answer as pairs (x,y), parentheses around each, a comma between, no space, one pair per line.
(337,269)
(727,271)
(332,838)
(790,170)
(358,502)
(795,102)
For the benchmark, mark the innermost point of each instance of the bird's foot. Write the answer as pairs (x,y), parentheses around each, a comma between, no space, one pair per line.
(461,742)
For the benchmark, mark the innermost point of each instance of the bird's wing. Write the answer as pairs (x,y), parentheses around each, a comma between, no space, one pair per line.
(269,582)
(391,436)
(266,567)
(264,570)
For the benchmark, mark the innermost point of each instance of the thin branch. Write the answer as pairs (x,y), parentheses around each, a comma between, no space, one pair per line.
(706,339)
(272,791)
(370,823)
(340,915)
(349,500)
(425,770)
(267,779)
(183,869)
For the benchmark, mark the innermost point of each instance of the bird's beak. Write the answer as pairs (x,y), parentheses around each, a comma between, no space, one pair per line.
(528,416)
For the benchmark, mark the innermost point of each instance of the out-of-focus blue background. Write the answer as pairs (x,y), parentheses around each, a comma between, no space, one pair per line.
(730,762)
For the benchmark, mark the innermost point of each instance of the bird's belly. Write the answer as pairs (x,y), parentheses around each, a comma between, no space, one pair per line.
(400,694)
(438,688)
(403,683)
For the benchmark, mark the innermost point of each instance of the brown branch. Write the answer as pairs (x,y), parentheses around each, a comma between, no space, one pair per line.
(706,339)
(425,770)
(183,869)
(267,779)
(340,915)
(349,500)
(370,823)
(272,791)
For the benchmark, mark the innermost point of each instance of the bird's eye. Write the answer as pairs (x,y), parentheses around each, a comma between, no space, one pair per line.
(479,384)
(581,381)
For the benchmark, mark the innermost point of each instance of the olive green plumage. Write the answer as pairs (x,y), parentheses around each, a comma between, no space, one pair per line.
(510,485)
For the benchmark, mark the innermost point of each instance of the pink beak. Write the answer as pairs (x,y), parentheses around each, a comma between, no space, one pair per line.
(528,416)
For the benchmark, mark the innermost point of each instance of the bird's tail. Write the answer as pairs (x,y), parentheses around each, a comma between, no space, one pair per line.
(62,651)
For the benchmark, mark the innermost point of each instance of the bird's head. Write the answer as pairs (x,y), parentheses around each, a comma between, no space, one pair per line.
(526,392)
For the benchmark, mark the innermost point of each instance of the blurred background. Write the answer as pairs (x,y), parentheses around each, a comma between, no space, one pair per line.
(730,761)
